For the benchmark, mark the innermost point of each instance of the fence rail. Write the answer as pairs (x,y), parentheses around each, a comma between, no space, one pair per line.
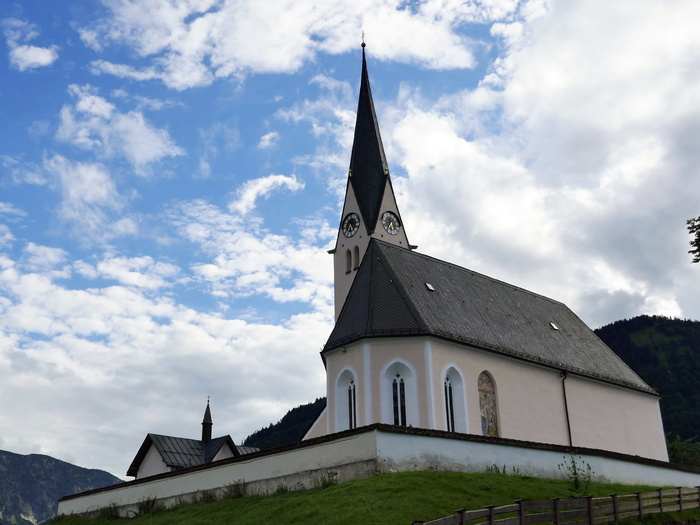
(589,510)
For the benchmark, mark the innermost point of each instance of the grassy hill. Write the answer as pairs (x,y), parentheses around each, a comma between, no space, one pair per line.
(388,499)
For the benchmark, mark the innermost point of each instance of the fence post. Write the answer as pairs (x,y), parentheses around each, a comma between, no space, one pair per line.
(555,506)
(461,512)
(491,513)
(615,509)
(521,511)
(661,500)
(590,509)
(680,498)
(640,507)
(698,487)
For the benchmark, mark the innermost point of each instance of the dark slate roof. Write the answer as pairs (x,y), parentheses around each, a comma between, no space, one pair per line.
(368,167)
(183,452)
(390,297)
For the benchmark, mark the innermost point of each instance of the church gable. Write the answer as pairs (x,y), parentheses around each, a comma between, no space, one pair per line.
(404,293)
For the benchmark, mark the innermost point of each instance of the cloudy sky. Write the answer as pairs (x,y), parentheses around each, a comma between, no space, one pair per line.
(172,172)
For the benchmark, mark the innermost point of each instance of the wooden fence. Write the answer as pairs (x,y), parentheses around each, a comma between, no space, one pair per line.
(589,511)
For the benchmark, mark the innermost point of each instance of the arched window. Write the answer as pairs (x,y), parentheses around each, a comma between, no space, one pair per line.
(357,258)
(399,395)
(455,400)
(398,390)
(348,261)
(352,405)
(449,405)
(487,405)
(346,400)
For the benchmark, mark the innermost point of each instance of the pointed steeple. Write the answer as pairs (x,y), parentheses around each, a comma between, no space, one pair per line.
(207,425)
(368,168)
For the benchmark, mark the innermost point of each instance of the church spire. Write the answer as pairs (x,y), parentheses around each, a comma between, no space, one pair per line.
(207,425)
(370,210)
(368,167)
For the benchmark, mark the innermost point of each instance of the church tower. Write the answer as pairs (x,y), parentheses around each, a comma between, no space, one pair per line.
(370,208)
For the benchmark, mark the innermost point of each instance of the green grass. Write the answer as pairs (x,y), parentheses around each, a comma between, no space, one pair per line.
(389,499)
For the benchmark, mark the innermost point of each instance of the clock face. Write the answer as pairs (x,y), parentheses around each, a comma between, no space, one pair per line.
(391,223)
(351,224)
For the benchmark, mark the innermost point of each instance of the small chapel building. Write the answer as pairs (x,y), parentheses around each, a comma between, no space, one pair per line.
(159,454)
(424,343)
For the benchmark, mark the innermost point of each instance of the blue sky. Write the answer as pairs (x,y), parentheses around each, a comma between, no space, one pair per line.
(172,173)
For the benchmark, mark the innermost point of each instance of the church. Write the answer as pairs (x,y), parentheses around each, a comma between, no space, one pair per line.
(429,366)
(419,342)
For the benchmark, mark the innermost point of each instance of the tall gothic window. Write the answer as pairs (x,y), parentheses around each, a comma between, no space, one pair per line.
(352,406)
(356,251)
(487,405)
(348,261)
(449,405)
(398,389)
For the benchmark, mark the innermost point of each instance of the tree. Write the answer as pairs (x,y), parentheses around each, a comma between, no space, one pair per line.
(694,230)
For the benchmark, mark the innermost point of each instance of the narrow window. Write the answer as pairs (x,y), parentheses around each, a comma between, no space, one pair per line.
(348,261)
(399,394)
(487,405)
(449,405)
(357,258)
(352,406)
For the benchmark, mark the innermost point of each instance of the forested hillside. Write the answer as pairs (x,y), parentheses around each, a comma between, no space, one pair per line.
(290,429)
(666,354)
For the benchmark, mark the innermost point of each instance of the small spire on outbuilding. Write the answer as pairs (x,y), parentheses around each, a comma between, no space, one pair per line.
(207,424)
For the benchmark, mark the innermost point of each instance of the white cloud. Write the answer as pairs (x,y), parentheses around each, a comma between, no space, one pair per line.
(141,272)
(95,124)
(26,56)
(89,198)
(191,44)
(96,350)
(253,189)
(269,140)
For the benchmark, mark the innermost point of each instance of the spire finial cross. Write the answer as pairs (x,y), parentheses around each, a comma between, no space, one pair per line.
(363,39)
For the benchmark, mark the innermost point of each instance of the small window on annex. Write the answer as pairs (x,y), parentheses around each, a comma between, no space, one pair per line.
(487,405)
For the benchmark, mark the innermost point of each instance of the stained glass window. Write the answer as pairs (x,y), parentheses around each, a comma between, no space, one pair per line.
(487,405)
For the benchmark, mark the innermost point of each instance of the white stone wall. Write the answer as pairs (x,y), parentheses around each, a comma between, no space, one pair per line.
(361,455)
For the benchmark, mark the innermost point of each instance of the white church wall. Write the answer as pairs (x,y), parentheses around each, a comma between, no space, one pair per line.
(529,398)
(614,418)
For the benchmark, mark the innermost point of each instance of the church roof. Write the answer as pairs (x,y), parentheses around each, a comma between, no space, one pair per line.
(183,452)
(368,167)
(398,292)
